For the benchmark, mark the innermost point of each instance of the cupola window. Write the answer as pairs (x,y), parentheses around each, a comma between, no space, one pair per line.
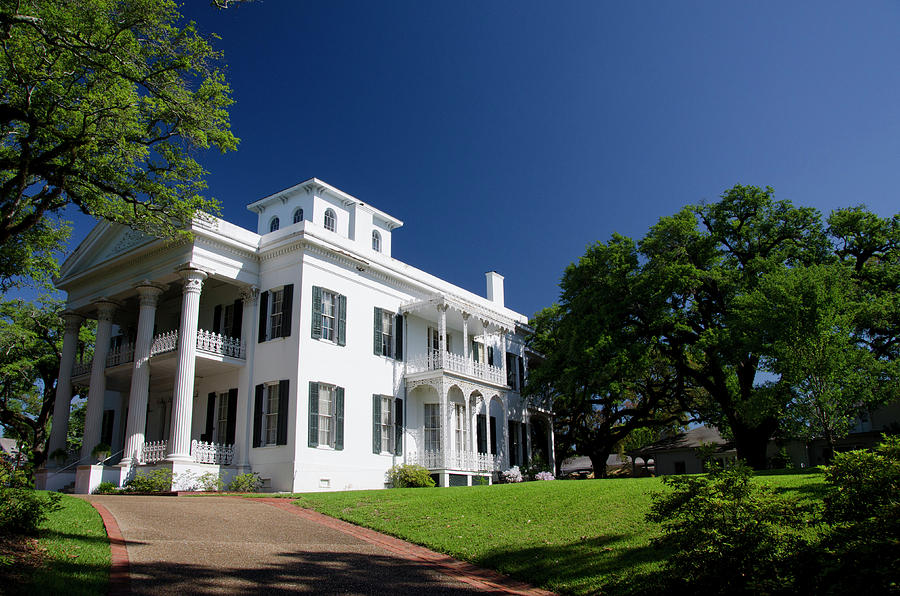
(330,221)
(274,225)
(298,215)
(376,241)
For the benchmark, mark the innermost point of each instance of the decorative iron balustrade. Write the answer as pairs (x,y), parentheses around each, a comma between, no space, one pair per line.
(435,360)
(120,355)
(212,453)
(164,342)
(82,368)
(153,451)
(466,461)
(207,341)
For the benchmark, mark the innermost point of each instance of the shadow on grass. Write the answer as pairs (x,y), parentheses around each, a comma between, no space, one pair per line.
(790,472)
(600,565)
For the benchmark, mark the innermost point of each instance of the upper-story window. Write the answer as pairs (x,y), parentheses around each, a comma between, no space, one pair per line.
(274,224)
(376,241)
(329,316)
(298,215)
(330,221)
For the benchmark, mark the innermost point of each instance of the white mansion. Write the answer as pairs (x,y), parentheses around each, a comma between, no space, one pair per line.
(303,352)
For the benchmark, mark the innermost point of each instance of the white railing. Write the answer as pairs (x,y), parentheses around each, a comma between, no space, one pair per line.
(216,343)
(467,461)
(212,453)
(434,360)
(153,451)
(207,341)
(120,355)
(82,368)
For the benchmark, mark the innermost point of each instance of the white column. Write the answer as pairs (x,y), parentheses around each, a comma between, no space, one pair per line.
(183,394)
(484,343)
(445,425)
(442,333)
(503,354)
(244,433)
(140,374)
(551,440)
(465,317)
(505,430)
(61,406)
(94,416)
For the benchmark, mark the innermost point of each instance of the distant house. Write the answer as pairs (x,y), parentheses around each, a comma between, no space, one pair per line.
(581,465)
(678,454)
(9,450)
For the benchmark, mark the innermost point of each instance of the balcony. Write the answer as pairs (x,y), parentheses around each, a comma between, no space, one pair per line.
(464,461)
(450,362)
(202,452)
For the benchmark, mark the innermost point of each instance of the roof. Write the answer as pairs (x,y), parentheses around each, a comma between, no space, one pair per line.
(582,463)
(9,446)
(691,439)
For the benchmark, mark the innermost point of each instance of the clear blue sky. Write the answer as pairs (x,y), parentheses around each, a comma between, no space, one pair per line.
(510,135)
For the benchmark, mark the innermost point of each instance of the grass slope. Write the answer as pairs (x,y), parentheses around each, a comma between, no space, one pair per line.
(578,537)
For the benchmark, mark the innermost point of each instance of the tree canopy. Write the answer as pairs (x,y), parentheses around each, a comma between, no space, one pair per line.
(103,105)
(739,311)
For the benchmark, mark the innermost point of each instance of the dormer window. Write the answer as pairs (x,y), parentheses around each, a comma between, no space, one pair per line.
(298,215)
(330,221)
(376,241)
(274,224)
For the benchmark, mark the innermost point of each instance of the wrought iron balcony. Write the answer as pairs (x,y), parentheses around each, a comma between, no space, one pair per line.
(448,361)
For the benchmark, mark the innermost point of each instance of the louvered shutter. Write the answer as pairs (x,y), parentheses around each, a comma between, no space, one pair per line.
(513,446)
(257,415)
(494,435)
(482,433)
(237,319)
(490,356)
(287,300)
(342,320)
(376,424)
(398,426)
(232,417)
(339,418)
(524,442)
(521,374)
(210,418)
(217,319)
(398,331)
(313,414)
(284,387)
(377,335)
(317,313)
(263,311)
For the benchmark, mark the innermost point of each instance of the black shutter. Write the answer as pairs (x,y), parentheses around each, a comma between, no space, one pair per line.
(376,423)
(317,313)
(313,440)
(398,330)
(217,319)
(494,435)
(482,433)
(287,300)
(210,418)
(342,320)
(257,415)
(511,370)
(521,374)
(490,355)
(284,387)
(524,441)
(339,418)
(376,347)
(398,426)
(237,318)
(475,346)
(513,455)
(232,417)
(263,310)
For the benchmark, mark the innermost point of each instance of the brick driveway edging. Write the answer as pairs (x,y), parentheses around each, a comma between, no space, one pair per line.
(119,567)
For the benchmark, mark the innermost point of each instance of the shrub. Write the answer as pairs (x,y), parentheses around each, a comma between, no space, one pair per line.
(245,483)
(11,477)
(22,509)
(480,481)
(157,481)
(544,476)
(537,465)
(185,480)
(512,475)
(100,451)
(211,482)
(727,535)
(106,488)
(410,476)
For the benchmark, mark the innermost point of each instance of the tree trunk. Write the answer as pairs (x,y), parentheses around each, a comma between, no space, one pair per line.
(598,462)
(751,442)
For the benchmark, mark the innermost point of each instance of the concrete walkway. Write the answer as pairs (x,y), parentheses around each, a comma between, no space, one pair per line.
(222,545)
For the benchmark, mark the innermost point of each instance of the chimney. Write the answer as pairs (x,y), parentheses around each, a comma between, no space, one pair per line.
(494,287)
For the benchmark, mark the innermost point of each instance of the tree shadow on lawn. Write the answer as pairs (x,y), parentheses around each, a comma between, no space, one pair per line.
(603,564)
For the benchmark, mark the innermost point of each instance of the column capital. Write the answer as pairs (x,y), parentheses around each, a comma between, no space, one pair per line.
(249,294)
(193,279)
(73,320)
(465,315)
(106,308)
(149,292)
(442,307)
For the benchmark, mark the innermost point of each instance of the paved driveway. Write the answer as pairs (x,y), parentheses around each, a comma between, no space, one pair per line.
(220,545)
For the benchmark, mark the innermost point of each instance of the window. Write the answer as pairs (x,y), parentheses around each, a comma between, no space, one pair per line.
(270,413)
(270,416)
(329,316)
(376,241)
(434,340)
(460,427)
(514,443)
(227,318)
(432,427)
(298,215)
(221,418)
(511,372)
(388,334)
(275,313)
(477,351)
(384,429)
(330,220)
(326,416)
(106,426)
(274,224)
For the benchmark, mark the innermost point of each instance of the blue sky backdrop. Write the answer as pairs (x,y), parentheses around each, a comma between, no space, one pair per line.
(510,135)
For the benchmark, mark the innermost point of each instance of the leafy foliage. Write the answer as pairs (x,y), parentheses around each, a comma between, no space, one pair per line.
(157,481)
(106,488)
(410,476)
(245,483)
(21,508)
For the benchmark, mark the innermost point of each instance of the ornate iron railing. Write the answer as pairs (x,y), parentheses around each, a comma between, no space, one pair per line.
(153,451)
(216,343)
(164,342)
(120,355)
(212,453)
(82,368)
(435,360)
(466,461)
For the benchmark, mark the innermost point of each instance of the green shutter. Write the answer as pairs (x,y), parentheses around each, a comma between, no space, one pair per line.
(263,315)
(482,433)
(257,416)
(376,423)
(339,418)
(378,330)
(398,332)
(232,416)
(342,320)
(287,299)
(317,313)
(210,418)
(398,426)
(313,414)
(284,393)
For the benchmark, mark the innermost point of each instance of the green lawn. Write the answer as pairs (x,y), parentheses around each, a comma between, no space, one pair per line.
(75,552)
(569,536)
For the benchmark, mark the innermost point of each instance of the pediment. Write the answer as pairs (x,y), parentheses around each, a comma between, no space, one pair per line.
(104,243)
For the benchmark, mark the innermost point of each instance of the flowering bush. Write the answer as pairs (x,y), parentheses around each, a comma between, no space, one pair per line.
(512,475)
(544,476)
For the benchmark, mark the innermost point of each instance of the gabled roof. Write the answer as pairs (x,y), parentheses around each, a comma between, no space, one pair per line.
(103,243)
(691,439)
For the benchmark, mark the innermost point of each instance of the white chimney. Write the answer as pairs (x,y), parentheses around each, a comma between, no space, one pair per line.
(494,287)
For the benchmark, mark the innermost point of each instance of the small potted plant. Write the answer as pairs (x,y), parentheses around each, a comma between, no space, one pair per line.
(60,456)
(100,452)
